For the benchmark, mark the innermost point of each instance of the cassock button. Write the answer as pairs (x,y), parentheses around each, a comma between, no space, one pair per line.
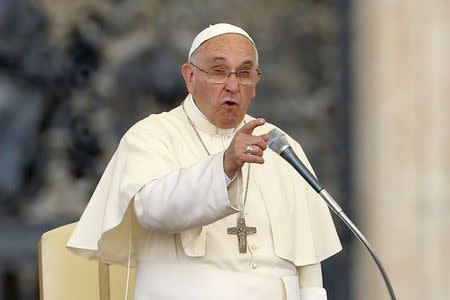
(253,247)
(255,266)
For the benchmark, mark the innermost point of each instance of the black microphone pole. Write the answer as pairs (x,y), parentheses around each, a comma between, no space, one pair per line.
(280,145)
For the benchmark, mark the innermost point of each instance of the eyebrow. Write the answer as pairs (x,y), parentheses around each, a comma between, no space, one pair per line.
(220,58)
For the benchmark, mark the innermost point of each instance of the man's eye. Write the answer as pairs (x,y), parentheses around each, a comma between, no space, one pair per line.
(218,71)
(244,73)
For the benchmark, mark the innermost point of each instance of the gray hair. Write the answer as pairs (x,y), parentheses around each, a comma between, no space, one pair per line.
(197,52)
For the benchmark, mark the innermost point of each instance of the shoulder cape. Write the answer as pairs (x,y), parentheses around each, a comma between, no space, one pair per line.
(302,227)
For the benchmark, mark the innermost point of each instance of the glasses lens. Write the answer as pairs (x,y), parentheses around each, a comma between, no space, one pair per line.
(218,75)
(246,76)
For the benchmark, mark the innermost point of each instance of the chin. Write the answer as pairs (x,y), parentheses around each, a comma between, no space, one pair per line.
(229,120)
(225,124)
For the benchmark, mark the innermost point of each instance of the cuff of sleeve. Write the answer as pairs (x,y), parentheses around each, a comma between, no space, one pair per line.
(313,293)
(229,180)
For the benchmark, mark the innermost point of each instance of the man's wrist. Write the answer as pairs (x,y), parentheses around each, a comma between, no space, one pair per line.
(229,179)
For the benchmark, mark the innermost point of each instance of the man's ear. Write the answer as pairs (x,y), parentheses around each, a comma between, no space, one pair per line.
(188,74)
(259,77)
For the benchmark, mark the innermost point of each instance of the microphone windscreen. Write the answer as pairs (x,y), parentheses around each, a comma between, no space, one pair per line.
(278,141)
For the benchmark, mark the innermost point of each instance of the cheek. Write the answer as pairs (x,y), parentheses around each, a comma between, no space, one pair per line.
(250,93)
(207,93)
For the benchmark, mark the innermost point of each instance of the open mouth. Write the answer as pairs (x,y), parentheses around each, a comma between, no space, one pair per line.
(230,103)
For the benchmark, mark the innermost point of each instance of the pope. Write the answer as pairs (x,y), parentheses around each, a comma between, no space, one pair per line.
(194,200)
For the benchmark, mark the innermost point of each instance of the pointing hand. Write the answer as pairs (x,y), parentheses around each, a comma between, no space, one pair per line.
(236,155)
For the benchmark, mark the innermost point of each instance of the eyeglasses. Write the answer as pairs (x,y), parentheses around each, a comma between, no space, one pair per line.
(219,75)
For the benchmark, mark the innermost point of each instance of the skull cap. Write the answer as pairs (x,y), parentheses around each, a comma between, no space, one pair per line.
(215,30)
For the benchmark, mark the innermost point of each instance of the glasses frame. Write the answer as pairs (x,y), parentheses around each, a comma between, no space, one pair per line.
(258,71)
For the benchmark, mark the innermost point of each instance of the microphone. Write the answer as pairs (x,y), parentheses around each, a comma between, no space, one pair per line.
(280,145)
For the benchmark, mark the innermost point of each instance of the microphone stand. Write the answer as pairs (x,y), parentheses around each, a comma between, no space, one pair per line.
(338,211)
(280,145)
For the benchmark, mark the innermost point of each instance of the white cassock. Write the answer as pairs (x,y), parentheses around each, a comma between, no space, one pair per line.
(176,227)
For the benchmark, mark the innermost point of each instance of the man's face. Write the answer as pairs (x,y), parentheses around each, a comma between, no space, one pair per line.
(224,104)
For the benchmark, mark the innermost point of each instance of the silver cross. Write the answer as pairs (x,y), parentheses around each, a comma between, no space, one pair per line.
(241,230)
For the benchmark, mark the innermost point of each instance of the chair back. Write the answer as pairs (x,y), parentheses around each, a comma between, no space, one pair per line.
(64,275)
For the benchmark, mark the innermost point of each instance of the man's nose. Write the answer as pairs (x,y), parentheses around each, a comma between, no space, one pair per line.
(232,84)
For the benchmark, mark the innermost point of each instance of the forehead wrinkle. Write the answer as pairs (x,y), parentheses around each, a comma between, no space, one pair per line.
(225,43)
(220,58)
(216,58)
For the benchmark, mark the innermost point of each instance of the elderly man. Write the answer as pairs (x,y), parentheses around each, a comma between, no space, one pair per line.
(190,201)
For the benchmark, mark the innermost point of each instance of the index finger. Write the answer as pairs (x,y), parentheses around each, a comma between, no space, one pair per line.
(250,126)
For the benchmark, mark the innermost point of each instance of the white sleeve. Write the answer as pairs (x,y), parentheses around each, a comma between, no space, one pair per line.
(229,180)
(310,281)
(188,198)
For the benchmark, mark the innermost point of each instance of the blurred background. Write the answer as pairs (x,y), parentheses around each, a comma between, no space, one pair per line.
(363,85)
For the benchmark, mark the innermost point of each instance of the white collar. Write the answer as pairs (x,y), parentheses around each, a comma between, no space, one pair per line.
(201,122)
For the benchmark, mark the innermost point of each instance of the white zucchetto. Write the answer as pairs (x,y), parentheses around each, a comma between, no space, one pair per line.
(215,30)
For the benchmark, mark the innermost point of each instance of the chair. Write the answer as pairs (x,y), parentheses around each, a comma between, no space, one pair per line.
(66,276)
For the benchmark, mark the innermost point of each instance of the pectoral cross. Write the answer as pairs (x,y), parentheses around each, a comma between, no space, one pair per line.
(241,230)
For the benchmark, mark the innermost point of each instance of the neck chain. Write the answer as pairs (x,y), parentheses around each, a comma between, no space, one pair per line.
(241,230)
